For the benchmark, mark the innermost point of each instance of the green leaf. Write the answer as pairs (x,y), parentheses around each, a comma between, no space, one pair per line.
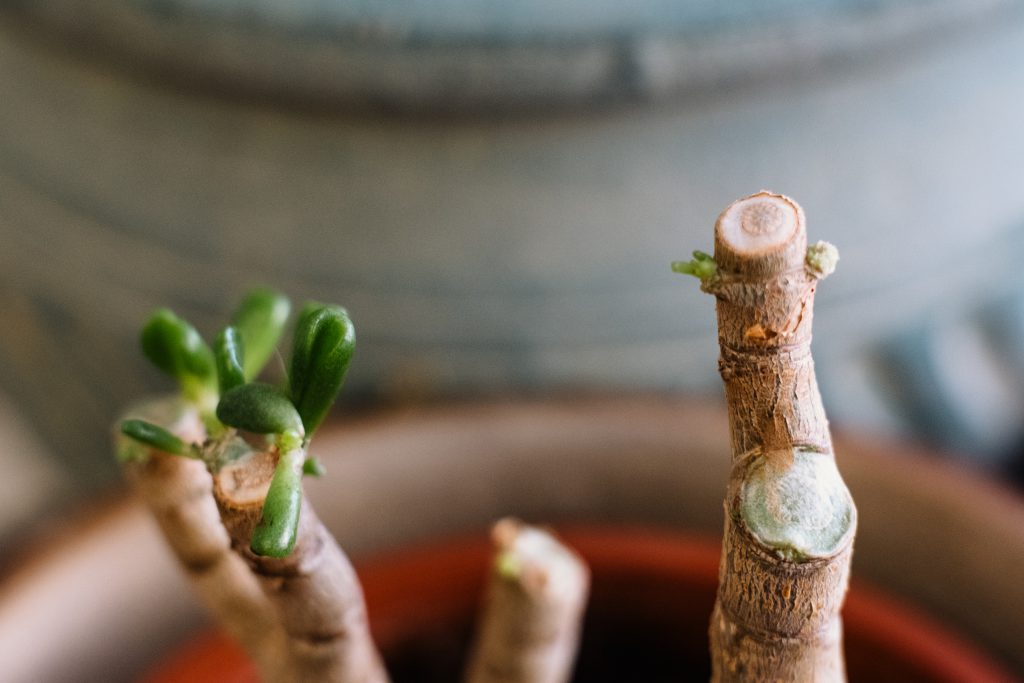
(277,531)
(324,342)
(175,347)
(154,436)
(260,408)
(228,351)
(260,320)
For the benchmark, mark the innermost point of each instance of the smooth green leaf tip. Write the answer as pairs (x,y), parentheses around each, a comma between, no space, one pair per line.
(702,266)
(174,346)
(229,353)
(260,408)
(154,436)
(323,346)
(260,320)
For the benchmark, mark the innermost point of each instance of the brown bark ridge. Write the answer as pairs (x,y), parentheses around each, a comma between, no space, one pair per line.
(314,590)
(789,519)
(530,625)
(179,494)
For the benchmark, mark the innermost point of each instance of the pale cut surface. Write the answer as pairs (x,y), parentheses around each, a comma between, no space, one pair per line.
(759,223)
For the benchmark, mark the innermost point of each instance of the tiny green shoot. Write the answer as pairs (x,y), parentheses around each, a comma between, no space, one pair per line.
(702,266)
(313,467)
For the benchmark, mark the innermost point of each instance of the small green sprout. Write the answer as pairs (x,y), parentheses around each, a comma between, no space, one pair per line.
(228,351)
(157,437)
(260,321)
(702,266)
(175,347)
(313,468)
(324,342)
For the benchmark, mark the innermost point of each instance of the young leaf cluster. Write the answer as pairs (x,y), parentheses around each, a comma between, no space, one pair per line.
(323,344)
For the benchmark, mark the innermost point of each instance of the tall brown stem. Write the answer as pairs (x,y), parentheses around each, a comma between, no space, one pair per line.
(789,519)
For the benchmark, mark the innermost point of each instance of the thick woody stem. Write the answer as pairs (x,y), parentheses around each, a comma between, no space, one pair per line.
(314,590)
(789,517)
(179,493)
(530,625)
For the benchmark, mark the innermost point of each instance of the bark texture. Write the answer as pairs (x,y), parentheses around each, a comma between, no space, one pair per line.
(179,493)
(315,592)
(789,518)
(530,625)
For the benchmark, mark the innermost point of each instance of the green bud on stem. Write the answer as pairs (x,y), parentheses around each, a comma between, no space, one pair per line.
(702,266)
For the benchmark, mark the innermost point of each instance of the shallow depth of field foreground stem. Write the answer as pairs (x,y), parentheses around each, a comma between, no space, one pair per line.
(789,519)
(239,521)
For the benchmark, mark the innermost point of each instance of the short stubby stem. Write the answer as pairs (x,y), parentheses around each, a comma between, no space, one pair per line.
(314,589)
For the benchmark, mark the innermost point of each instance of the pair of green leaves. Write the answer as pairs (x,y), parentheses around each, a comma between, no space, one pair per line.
(175,347)
(324,341)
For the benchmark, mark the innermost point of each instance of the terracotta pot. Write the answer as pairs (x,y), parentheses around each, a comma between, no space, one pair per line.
(934,536)
(647,619)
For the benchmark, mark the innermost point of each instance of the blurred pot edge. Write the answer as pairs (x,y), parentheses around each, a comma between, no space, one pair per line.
(938,537)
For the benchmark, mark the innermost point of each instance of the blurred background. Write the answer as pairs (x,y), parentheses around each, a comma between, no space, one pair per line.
(495,191)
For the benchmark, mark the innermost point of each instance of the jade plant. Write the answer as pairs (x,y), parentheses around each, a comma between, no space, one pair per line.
(221,463)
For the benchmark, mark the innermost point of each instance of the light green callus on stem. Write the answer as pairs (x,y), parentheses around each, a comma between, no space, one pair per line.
(799,509)
(822,258)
